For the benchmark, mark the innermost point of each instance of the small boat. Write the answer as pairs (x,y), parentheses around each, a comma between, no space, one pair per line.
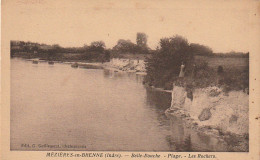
(35,62)
(51,62)
(75,65)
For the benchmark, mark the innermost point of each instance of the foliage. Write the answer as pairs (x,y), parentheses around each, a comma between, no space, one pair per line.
(141,39)
(199,49)
(98,46)
(231,55)
(202,75)
(124,46)
(230,78)
(236,79)
(95,52)
(164,66)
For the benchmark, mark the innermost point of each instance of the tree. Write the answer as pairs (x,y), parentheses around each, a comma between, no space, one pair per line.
(141,39)
(199,49)
(85,46)
(124,46)
(164,65)
(56,47)
(107,55)
(35,48)
(98,46)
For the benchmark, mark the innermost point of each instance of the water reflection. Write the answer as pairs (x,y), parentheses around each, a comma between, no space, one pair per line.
(113,74)
(106,73)
(183,138)
(124,75)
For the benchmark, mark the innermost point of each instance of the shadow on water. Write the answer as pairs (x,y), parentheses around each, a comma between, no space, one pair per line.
(158,101)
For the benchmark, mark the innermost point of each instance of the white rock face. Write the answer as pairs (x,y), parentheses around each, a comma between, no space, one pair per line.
(228,112)
(178,97)
(128,64)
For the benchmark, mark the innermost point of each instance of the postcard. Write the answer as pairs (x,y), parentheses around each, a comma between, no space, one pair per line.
(130,79)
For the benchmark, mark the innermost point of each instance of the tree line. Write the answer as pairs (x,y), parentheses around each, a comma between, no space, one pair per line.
(122,47)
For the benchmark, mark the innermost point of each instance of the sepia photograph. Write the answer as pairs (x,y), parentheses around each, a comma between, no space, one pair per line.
(129,76)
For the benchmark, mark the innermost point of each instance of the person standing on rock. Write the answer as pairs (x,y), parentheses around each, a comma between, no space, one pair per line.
(181,75)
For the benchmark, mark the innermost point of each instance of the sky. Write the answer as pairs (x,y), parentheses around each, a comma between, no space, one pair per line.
(222,25)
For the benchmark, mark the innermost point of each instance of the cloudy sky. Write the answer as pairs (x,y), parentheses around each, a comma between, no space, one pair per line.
(223,26)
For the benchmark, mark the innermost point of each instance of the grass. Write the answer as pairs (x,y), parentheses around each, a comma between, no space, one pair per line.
(226,62)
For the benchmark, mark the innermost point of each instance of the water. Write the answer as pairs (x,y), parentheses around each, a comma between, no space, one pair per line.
(94,109)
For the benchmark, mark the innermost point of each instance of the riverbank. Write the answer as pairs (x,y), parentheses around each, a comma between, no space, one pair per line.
(214,112)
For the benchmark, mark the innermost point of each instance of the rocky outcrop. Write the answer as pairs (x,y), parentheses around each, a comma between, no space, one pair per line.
(214,108)
(131,65)
(178,97)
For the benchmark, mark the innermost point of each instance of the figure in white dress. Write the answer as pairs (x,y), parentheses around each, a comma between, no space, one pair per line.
(182,70)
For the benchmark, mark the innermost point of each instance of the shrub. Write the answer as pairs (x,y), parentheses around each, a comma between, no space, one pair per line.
(203,75)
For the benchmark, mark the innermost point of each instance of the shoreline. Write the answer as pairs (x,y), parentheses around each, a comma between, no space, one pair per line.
(97,65)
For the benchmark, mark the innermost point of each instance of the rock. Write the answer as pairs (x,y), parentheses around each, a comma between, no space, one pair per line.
(215,131)
(233,119)
(211,131)
(205,114)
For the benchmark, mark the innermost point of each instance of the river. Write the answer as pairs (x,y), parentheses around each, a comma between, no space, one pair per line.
(94,110)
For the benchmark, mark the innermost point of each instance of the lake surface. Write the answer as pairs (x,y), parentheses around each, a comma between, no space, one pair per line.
(56,107)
